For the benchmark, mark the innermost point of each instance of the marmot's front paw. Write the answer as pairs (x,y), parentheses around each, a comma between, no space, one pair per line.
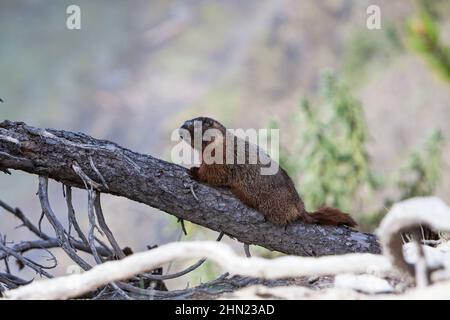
(193,172)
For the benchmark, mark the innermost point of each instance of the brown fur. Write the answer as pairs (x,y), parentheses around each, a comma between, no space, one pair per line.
(274,196)
(332,216)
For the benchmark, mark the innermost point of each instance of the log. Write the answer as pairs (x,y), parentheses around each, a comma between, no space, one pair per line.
(64,155)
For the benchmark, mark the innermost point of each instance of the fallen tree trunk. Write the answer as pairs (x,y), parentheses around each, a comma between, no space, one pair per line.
(64,156)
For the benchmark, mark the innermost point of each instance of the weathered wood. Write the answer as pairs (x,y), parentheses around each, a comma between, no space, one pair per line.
(166,186)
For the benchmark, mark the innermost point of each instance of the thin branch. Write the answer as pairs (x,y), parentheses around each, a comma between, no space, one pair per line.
(91,161)
(86,179)
(175,294)
(25,246)
(90,185)
(25,261)
(13,281)
(104,227)
(92,226)
(71,215)
(57,226)
(104,246)
(174,275)
(182,272)
(47,241)
(25,221)
(120,292)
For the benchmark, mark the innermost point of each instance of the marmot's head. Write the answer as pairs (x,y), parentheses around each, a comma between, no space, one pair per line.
(197,128)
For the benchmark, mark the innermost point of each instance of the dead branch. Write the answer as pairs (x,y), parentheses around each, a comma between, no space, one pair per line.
(46,241)
(12,281)
(71,215)
(111,271)
(407,217)
(104,227)
(63,239)
(65,156)
(437,291)
(51,243)
(27,262)
(25,221)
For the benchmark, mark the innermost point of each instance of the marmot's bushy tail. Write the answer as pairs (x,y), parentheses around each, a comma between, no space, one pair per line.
(333,217)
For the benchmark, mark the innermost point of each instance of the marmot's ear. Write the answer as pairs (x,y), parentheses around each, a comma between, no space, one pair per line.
(1,100)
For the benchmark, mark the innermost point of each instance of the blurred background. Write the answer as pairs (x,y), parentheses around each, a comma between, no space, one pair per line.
(363,114)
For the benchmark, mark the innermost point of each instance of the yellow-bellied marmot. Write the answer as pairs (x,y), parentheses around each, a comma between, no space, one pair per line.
(274,195)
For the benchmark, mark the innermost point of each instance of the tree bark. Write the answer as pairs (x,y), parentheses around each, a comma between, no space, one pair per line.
(60,155)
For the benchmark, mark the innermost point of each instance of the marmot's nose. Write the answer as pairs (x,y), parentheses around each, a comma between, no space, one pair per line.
(186,126)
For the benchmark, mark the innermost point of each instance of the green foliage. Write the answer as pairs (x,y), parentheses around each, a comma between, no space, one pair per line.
(423,36)
(334,162)
(421,174)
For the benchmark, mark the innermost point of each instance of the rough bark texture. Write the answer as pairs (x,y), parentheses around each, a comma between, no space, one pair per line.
(166,186)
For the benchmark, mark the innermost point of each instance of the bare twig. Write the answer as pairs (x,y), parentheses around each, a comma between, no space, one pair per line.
(47,242)
(52,258)
(25,261)
(57,226)
(95,205)
(25,221)
(86,179)
(174,275)
(193,192)
(175,294)
(13,281)
(90,185)
(104,227)
(182,272)
(92,226)
(120,292)
(91,161)
(3,241)
(104,246)
(25,246)
(71,215)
